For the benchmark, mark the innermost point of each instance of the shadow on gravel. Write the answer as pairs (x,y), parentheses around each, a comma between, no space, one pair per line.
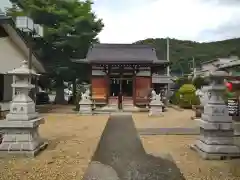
(120,156)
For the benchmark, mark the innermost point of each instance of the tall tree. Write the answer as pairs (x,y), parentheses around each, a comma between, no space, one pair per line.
(70,27)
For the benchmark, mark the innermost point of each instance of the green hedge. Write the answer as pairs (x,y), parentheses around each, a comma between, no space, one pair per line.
(185,97)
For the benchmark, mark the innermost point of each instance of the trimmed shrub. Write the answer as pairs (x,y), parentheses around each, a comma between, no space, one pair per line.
(187,88)
(187,96)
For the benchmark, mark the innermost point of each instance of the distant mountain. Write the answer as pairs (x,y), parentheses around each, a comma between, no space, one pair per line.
(181,52)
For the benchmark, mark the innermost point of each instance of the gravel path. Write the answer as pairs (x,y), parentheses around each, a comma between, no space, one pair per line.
(120,155)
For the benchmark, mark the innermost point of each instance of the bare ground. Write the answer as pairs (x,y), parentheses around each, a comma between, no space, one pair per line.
(171,118)
(190,164)
(72,141)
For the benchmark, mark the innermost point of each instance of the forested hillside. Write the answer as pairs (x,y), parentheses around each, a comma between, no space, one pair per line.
(182,52)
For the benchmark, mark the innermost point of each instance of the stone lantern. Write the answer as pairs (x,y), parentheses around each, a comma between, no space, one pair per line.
(216,140)
(20,128)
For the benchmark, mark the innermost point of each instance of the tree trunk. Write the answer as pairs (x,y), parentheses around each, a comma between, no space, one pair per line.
(74,90)
(60,98)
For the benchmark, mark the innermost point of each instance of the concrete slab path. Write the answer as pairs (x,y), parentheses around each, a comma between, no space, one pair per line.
(120,156)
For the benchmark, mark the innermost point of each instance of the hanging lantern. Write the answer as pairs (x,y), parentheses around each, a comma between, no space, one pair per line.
(229,86)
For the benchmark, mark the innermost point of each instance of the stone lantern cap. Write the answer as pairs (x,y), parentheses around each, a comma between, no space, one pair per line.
(23,70)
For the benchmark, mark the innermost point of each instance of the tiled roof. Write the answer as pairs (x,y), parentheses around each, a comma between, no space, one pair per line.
(121,53)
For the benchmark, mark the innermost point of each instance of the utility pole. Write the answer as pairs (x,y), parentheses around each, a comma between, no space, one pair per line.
(168,69)
(168,58)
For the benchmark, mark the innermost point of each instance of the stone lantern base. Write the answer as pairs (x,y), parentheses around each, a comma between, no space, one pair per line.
(216,141)
(156,108)
(21,137)
(85,107)
(233,152)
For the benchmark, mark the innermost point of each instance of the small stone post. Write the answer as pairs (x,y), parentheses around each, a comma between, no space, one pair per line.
(216,140)
(20,128)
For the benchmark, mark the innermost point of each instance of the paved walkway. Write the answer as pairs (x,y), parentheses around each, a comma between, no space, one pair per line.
(120,156)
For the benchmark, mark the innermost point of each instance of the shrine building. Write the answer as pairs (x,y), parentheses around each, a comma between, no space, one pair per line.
(129,69)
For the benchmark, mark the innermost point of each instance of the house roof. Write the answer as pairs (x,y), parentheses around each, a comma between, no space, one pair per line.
(122,53)
(8,25)
(209,61)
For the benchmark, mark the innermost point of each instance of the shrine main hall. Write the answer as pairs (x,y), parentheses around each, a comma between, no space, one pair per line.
(130,69)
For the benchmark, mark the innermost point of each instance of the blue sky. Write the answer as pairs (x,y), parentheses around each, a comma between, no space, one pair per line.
(127,21)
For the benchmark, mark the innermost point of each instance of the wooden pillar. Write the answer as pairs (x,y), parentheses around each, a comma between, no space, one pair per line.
(91,80)
(134,89)
(134,86)
(108,83)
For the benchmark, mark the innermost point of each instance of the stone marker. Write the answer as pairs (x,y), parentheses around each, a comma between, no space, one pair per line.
(20,128)
(86,104)
(156,105)
(216,140)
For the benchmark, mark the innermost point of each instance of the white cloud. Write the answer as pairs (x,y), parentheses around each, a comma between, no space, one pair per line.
(127,21)
(184,19)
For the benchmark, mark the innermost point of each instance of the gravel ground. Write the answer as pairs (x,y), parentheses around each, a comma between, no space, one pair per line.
(171,118)
(72,141)
(190,164)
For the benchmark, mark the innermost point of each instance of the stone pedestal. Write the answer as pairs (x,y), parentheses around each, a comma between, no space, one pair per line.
(20,128)
(156,108)
(216,140)
(85,107)
(21,138)
(236,128)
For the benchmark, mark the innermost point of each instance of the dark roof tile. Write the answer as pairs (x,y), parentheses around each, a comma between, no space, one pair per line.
(121,53)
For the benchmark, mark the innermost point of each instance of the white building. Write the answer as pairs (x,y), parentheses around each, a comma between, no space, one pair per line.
(218,63)
(13,50)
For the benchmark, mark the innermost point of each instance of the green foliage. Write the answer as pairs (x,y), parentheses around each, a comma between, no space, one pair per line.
(14,11)
(181,52)
(181,81)
(228,94)
(175,98)
(70,27)
(187,88)
(187,96)
(198,82)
